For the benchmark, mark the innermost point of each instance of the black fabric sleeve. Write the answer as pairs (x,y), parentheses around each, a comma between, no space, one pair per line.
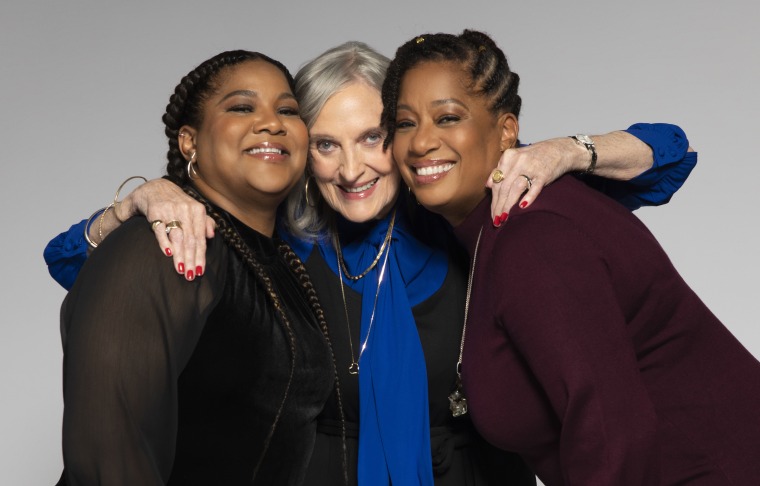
(129,326)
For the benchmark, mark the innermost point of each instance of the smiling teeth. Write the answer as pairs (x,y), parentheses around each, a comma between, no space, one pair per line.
(361,188)
(433,169)
(265,150)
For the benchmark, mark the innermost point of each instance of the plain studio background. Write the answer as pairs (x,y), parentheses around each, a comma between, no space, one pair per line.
(84,85)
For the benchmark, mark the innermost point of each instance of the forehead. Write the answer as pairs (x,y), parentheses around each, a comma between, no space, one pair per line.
(430,79)
(355,107)
(255,75)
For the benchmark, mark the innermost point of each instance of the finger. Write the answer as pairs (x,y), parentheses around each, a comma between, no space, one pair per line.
(501,193)
(158,226)
(177,242)
(531,195)
(197,239)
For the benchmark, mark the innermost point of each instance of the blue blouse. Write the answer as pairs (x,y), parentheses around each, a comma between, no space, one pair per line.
(66,253)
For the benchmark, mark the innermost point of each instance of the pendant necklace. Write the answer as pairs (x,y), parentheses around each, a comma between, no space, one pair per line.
(385,247)
(457,400)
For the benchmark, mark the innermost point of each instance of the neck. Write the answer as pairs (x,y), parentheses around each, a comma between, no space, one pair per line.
(256,214)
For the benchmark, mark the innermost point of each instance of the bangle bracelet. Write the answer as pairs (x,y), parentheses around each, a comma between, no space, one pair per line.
(101,214)
(100,223)
(87,227)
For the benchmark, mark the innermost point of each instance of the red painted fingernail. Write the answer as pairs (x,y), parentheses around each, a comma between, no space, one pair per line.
(198,271)
(523,204)
(503,217)
(181,267)
(496,221)
(189,275)
(168,252)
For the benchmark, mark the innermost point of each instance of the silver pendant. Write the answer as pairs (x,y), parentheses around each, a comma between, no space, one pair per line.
(457,401)
(354,368)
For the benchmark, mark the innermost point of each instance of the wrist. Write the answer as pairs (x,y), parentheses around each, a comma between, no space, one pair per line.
(585,142)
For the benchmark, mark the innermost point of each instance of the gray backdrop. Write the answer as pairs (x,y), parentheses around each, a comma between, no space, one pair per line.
(84,85)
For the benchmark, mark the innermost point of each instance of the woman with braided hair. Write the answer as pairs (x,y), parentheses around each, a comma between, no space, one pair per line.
(220,381)
(399,424)
(584,350)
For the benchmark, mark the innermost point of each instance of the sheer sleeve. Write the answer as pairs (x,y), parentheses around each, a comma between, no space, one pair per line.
(129,326)
(65,254)
(671,167)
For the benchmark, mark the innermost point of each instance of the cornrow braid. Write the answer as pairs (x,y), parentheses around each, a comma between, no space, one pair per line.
(484,62)
(300,270)
(186,103)
(233,240)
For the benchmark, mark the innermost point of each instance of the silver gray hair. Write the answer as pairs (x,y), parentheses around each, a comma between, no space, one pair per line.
(316,82)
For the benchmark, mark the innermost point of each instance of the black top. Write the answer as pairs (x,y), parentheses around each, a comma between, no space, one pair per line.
(460,456)
(175,382)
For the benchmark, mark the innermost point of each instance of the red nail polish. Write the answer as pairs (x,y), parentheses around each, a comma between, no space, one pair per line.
(168,252)
(523,204)
(503,217)
(198,271)
(496,221)
(189,275)
(181,267)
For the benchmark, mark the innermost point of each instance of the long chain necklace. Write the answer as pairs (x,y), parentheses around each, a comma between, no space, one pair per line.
(354,366)
(386,240)
(457,400)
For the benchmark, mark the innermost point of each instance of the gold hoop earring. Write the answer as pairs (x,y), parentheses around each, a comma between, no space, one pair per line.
(311,203)
(191,172)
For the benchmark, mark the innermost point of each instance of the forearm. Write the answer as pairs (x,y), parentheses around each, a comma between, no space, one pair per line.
(620,156)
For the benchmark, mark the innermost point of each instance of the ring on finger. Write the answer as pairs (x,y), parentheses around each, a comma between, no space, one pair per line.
(497,176)
(530,181)
(171,225)
(155,224)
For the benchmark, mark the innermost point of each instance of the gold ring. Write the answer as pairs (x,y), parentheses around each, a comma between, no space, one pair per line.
(497,176)
(155,224)
(530,181)
(171,225)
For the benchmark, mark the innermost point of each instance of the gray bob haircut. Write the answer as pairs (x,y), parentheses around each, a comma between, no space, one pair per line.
(333,70)
(316,82)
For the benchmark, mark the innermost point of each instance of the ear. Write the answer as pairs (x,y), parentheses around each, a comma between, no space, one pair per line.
(187,141)
(510,129)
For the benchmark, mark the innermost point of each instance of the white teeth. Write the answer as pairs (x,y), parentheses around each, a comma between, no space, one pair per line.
(361,188)
(264,150)
(433,169)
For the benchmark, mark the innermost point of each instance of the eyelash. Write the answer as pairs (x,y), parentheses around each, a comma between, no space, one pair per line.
(285,111)
(448,119)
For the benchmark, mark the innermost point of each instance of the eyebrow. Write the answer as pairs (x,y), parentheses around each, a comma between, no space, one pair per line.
(435,103)
(253,94)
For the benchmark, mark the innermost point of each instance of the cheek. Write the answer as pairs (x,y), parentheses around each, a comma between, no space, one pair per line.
(323,168)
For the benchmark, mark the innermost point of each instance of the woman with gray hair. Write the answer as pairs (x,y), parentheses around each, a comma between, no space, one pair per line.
(390,278)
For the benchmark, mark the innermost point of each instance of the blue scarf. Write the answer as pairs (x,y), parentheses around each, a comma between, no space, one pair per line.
(394,423)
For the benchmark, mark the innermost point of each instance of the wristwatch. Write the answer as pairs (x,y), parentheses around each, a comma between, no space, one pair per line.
(586,141)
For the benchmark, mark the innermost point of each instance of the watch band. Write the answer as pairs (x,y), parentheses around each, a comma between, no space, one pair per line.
(586,141)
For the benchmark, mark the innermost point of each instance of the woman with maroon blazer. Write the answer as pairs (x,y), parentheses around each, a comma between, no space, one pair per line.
(584,349)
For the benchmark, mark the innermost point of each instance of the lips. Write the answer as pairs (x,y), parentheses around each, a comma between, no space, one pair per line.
(361,188)
(267,148)
(430,171)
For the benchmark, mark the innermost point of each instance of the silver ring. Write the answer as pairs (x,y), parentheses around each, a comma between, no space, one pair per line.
(530,181)
(171,225)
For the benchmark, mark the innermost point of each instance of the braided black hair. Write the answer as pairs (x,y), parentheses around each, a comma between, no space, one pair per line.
(478,54)
(185,105)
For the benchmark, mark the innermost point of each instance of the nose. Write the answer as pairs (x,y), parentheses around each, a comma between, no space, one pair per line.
(268,120)
(352,165)
(423,140)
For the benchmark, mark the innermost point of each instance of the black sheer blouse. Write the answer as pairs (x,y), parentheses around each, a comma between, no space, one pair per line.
(175,382)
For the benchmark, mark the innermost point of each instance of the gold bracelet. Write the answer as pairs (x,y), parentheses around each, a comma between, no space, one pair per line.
(102,213)
(87,227)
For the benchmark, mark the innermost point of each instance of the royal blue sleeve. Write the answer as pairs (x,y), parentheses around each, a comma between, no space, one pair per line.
(670,169)
(65,255)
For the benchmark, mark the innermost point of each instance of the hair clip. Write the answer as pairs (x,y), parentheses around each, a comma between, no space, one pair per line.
(420,40)
(482,49)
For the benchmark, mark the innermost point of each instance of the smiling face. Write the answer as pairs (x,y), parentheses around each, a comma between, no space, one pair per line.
(446,140)
(355,175)
(251,144)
